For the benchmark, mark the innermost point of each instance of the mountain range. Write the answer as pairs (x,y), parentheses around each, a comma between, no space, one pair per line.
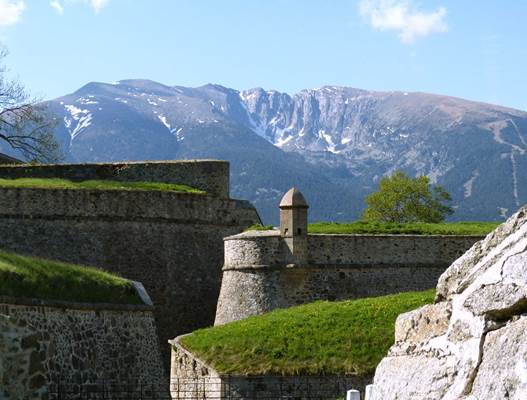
(334,143)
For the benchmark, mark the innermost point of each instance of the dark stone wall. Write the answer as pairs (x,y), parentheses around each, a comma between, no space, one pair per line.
(44,345)
(211,176)
(171,242)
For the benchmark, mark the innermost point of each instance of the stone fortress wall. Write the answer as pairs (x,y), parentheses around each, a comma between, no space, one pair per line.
(44,344)
(171,242)
(211,176)
(192,378)
(264,270)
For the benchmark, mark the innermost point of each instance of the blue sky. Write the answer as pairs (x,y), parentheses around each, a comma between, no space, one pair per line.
(471,49)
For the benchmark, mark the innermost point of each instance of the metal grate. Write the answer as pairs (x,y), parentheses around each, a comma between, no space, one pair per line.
(225,388)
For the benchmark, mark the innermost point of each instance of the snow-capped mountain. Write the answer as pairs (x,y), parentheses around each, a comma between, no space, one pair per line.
(333,142)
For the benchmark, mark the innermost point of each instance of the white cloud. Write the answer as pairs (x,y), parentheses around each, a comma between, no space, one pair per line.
(98,5)
(402,17)
(11,11)
(57,6)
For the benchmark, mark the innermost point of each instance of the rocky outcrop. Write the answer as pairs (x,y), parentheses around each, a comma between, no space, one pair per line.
(471,344)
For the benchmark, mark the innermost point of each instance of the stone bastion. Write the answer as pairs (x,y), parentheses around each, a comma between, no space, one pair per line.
(171,242)
(44,344)
(264,270)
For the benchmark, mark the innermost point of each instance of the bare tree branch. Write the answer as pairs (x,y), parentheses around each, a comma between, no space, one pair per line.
(25,125)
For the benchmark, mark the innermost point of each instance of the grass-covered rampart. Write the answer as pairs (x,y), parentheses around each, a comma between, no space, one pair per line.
(418,228)
(54,183)
(347,337)
(379,228)
(32,277)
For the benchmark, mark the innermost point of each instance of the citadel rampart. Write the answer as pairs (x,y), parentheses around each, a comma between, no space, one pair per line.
(211,176)
(192,378)
(43,344)
(267,270)
(171,242)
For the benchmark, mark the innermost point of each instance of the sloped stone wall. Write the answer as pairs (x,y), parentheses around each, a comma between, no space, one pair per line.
(171,242)
(192,378)
(44,344)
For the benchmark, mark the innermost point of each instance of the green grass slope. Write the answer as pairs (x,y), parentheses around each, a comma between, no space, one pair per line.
(31,277)
(446,228)
(53,183)
(347,337)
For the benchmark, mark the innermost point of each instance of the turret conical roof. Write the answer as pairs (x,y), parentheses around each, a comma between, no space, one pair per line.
(293,199)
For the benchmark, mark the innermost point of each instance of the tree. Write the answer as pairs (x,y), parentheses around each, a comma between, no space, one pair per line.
(25,125)
(401,198)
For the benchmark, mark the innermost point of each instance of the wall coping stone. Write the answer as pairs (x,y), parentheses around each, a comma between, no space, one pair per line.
(274,233)
(329,266)
(33,302)
(142,293)
(197,160)
(177,343)
(248,235)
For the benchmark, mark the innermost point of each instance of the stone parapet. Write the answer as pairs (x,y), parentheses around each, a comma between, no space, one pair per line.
(211,176)
(192,378)
(260,274)
(129,205)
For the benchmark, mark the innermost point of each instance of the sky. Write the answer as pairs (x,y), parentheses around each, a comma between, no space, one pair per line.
(473,49)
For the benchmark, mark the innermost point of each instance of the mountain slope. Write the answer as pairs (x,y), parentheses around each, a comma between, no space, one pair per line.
(335,143)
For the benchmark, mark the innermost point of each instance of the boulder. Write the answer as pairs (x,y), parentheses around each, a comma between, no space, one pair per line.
(471,344)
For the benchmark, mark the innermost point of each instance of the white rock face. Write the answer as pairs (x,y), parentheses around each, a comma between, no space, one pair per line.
(471,344)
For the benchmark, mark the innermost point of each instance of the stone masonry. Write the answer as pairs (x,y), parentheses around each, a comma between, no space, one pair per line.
(44,343)
(171,242)
(264,270)
(192,378)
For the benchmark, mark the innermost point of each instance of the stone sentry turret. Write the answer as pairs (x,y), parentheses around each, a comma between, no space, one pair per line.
(293,224)
(265,270)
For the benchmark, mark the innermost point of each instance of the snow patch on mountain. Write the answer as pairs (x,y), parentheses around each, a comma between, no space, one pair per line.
(469,184)
(163,119)
(258,127)
(178,133)
(331,147)
(82,119)
(514,179)
(87,100)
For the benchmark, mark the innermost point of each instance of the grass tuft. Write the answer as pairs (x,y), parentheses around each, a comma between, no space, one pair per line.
(259,227)
(321,338)
(32,277)
(54,183)
(418,228)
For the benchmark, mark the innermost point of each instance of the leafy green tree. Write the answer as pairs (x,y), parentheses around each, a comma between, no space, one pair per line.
(25,125)
(401,198)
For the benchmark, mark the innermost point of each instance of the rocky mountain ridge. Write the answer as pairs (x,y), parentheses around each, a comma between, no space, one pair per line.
(333,142)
